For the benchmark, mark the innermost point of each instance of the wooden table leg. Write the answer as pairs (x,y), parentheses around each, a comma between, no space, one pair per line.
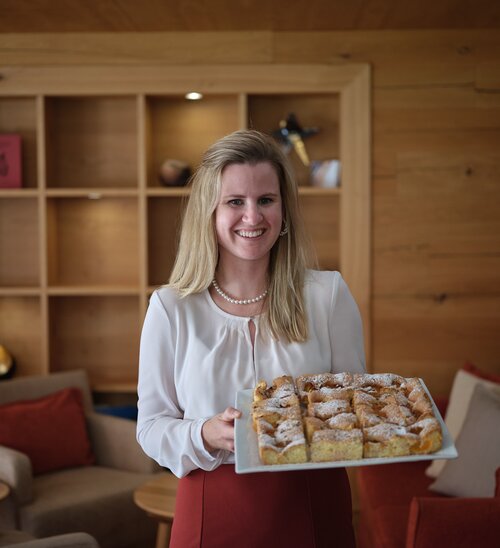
(163,534)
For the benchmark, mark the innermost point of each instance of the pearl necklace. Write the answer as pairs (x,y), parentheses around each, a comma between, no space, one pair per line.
(237,301)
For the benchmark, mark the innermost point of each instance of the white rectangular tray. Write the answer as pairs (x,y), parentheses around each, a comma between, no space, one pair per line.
(247,453)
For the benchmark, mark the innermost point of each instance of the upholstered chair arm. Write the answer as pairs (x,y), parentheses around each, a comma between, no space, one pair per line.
(457,521)
(114,444)
(16,472)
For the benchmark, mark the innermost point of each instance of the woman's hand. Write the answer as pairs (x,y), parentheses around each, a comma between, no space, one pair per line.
(218,432)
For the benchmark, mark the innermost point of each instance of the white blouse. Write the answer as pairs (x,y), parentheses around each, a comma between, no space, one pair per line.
(194,357)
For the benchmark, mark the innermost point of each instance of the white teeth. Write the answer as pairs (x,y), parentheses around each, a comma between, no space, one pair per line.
(250,234)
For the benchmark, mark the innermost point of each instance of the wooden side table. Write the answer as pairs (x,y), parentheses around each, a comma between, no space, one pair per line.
(157,499)
(4,490)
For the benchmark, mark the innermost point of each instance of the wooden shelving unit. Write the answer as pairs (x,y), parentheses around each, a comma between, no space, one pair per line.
(92,232)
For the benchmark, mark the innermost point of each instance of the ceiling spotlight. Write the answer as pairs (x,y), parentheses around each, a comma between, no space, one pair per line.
(194,96)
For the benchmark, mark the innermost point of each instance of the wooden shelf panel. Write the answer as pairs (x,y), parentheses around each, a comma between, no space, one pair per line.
(20,291)
(19,247)
(19,193)
(96,333)
(94,290)
(21,332)
(91,142)
(173,192)
(180,129)
(18,115)
(93,242)
(318,191)
(91,193)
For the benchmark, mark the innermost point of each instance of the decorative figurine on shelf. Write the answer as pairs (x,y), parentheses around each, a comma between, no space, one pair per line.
(7,364)
(174,173)
(291,135)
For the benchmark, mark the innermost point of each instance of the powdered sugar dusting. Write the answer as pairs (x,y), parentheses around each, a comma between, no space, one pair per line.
(388,414)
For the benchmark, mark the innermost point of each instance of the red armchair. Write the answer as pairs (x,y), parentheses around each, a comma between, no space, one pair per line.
(458,522)
(397,510)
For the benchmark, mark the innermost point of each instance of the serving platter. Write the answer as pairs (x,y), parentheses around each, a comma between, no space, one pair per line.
(247,454)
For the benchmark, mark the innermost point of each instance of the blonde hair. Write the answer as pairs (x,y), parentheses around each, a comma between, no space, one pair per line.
(197,256)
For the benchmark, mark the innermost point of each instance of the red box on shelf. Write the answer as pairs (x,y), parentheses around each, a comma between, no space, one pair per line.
(10,160)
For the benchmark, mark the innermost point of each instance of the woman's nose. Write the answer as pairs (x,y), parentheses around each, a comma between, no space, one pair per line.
(252,214)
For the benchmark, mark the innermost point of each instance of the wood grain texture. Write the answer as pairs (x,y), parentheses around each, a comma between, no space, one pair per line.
(19,246)
(93,242)
(226,15)
(96,333)
(135,48)
(21,326)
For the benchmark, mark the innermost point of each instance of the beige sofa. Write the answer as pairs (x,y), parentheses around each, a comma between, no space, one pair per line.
(96,499)
(18,539)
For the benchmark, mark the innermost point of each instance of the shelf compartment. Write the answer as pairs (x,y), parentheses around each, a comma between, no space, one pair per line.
(99,334)
(21,332)
(19,247)
(93,242)
(91,142)
(321,215)
(164,217)
(18,115)
(321,110)
(177,128)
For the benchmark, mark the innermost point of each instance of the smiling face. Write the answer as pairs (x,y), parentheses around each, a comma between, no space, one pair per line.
(248,216)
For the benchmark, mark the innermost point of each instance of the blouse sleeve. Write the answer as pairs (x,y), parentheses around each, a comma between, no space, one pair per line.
(174,442)
(346,331)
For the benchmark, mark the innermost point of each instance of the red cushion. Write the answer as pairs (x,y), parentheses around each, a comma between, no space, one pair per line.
(51,430)
(439,522)
(473,370)
(393,484)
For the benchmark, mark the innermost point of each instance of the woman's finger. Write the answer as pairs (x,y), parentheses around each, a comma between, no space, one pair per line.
(230,413)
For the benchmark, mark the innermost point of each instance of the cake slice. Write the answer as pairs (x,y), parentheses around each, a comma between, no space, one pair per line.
(274,411)
(281,443)
(332,444)
(310,382)
(387,440)
(281,387)
(430,437)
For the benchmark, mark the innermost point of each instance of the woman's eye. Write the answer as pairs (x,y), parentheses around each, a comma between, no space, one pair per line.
(265,201)
(236,202)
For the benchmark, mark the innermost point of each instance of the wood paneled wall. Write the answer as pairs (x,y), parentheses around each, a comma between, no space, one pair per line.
(436,170)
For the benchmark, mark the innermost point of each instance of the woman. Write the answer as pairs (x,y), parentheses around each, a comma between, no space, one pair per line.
(241,306)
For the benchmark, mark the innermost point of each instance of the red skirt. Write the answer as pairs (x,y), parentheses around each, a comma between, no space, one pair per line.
(221,509)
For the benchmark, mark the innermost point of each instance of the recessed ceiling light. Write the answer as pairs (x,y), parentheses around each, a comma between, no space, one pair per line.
(194,96)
